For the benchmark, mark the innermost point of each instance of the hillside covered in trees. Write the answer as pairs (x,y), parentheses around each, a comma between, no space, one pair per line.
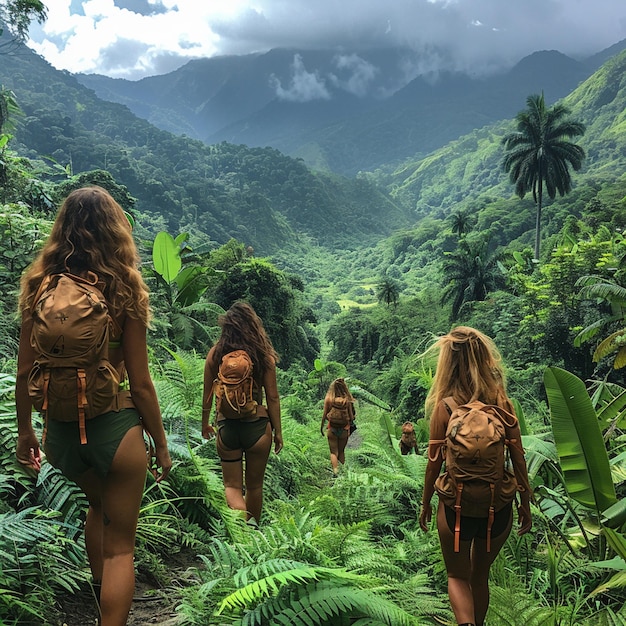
(353,277)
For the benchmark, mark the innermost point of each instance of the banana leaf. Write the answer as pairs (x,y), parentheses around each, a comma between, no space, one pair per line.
(166,256)
(615,517)
(579,443)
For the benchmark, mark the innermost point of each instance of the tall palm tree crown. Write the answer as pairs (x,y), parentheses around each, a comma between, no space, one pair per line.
(470,273)
(539,153)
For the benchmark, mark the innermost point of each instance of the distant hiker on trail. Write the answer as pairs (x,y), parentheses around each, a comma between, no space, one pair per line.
(239,370)
(85,312)
(471,423)
(339,411)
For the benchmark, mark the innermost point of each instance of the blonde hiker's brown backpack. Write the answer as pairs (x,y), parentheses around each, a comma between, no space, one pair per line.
(234,386)
(340,414)
(476,481)
(72,378)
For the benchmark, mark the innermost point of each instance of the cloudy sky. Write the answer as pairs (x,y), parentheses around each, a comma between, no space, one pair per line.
(136,38)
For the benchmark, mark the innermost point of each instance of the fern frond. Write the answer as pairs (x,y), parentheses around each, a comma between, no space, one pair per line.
(325,603)
(57,492)
(28,526)
(513,607)
(270,577)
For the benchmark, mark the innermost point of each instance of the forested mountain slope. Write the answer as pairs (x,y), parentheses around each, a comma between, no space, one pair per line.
(259,196)
(265,199)
(467,175)
(362,113)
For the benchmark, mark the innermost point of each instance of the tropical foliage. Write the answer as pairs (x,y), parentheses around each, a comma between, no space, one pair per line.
(351,285)
(539,155)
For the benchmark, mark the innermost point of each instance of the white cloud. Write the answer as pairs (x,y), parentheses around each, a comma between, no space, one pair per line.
(359,72)
(471,35)
(303,87)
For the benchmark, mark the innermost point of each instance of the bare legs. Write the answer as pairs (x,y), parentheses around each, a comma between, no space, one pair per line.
(468,571)
(112,523)
(233,474)
(337,447)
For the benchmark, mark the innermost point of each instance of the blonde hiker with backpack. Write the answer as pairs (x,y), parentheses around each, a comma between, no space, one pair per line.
(239,372)
(473,430)
(83,363)
(339,411)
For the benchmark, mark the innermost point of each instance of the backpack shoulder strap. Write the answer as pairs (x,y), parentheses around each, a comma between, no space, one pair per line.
(45,283)
(451,404)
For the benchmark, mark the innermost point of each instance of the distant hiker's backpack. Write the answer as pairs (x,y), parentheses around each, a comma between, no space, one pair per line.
(234,386)
(339,414)
(476,481)
(72,378)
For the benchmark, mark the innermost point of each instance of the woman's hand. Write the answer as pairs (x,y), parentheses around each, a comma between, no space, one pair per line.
(208,432)
(425,516)
(278,442)
(525,518)
(27,451)
(162,464)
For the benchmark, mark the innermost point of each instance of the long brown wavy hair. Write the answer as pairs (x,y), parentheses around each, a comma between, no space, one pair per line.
(242,329)
(338,392)
(469,367)
(91,233)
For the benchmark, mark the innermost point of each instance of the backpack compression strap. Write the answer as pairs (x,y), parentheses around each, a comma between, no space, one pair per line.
(81,395)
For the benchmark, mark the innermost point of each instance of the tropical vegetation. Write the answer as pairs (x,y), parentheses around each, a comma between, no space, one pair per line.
(539,155)
(354,278)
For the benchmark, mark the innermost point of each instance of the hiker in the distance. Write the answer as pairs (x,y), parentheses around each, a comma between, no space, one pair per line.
(469,369)
(105,454)
(243,441)
(339,411)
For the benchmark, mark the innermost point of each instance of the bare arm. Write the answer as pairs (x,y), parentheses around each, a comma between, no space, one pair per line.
(325,414)
(27,450)
(142,390)
(520,469)
(210,373)
(272,398)
(516,450)
(438,423)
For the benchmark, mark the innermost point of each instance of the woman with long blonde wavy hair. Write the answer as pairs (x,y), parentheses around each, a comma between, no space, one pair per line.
(92,235)
(469,369)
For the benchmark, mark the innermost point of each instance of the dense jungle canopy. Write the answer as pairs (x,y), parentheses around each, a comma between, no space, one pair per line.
(353,277)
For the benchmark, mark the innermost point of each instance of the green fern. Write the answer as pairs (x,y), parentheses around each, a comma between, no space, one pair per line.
(511,607)
(328,603)
(257,582)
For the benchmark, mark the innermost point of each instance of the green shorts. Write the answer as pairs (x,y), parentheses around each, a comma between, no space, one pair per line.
(338,431)
(238,435)
(104,434)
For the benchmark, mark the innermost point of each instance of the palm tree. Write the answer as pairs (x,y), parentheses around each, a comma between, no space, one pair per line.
(460,223)
(539,154)
(388,291)
(470,273)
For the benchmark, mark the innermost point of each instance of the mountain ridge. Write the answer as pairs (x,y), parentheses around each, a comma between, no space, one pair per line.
(203,100)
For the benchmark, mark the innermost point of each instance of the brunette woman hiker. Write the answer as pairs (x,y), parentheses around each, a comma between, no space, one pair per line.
(240,369)
(85,312)
(339,411)
(471,423)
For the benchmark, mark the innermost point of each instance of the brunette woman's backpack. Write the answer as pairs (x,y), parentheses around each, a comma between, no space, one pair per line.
(339,414)
(476,482)
(72,378)
(234,386)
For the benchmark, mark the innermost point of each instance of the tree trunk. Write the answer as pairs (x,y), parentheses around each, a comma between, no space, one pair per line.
(538,221)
